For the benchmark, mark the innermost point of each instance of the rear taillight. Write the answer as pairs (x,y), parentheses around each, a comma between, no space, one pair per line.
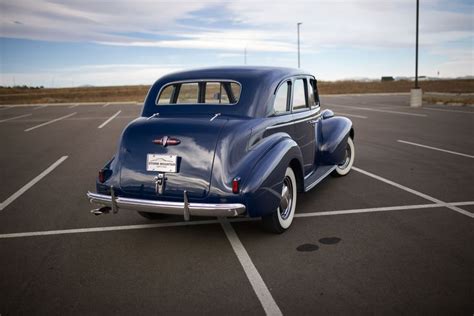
(236,185)
(101,176)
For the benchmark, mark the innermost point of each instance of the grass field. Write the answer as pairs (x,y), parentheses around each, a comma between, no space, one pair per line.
(138,93)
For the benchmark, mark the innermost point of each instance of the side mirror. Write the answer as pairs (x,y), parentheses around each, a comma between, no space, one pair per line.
(327,114)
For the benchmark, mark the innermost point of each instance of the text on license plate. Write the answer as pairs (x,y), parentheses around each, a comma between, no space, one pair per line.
(161,163)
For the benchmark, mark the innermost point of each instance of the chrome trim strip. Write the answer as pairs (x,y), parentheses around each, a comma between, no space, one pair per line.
(315,116)
(164,207)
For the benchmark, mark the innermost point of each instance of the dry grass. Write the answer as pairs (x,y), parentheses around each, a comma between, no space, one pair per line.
(138,93)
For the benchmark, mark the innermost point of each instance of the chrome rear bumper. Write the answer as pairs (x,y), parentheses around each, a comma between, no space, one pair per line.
(163,207)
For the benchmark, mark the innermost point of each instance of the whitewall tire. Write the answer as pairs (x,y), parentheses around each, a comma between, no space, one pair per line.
(281,219)
(344,168)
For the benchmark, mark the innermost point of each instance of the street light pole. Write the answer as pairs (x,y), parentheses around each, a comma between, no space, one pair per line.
(298,30)
(416,58)
(416,95)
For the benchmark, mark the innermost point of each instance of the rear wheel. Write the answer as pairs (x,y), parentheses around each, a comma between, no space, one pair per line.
(344,168)
(152,216)
(281,219)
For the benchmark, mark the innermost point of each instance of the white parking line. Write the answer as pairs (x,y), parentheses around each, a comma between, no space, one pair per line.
(105,229)
(445,110)
(50,122)
(232,220)
(258,285)
(15,117)
(377,110)
(5,108)
(382,209)
(74,105)
(27,186)
(422,195)
(110,119)
(40,107)
(106,105)
(434,148)
(351,115)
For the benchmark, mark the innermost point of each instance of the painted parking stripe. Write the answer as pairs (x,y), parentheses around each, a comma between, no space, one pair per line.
(258,285)
(110,119)
(422,195)
(14,118)
(382,209)
(106,105)
(377,110)
(434,148)
(445,110)
(351,115)
(232,220)
(27,186)
(74,105)
(40,107)
(50,122)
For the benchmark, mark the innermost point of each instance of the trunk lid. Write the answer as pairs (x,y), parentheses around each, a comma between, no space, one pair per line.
(197,137)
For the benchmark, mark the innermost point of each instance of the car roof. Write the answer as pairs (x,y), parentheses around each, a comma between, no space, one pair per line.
(258,85)
(237,73)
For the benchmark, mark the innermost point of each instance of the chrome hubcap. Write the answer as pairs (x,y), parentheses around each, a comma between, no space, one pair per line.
(286,201)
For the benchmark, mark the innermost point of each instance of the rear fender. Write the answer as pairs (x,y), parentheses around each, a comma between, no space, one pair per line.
(335,131)
(262,188)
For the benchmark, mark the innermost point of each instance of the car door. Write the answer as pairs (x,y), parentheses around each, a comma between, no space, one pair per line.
(305,118)
(279,114)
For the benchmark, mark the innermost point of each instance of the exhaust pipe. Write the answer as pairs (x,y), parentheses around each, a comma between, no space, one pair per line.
(102,210)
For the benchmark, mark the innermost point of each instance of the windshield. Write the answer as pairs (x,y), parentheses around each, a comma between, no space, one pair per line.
(200,92)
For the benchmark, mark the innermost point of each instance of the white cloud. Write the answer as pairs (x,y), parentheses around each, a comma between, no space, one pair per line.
(267,26)
(227,27)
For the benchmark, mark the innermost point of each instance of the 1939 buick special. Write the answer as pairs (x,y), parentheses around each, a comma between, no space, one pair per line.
(226,142)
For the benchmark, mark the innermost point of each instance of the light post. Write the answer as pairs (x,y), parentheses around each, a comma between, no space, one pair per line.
(416,98)
(298,30)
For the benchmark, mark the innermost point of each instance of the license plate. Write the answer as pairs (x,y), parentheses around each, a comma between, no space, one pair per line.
(161,163)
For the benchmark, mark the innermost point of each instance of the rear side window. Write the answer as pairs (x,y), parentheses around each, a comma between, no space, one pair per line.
(299,94)
(200,92)
(280,105)
(313,98)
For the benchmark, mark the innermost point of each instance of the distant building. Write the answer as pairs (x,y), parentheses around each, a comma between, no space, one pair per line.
(387,78)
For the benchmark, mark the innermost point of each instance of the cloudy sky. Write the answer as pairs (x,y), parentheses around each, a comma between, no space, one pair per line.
(77,42)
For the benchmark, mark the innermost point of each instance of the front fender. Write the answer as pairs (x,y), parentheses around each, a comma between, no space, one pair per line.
(262,189)
(335,131)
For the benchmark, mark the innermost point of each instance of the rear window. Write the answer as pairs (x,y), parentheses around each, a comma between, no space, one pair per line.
(200,92)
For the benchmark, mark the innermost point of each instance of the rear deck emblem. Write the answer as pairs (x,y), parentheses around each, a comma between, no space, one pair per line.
(167,141)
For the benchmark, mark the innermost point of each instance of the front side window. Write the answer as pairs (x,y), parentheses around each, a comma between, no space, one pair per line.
(200,92)
(280,105)
(299,94)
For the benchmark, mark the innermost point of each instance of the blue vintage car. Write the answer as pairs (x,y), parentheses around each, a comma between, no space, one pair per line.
(233,141)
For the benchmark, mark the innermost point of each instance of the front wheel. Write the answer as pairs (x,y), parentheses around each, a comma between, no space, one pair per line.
(281,219)
(344,168)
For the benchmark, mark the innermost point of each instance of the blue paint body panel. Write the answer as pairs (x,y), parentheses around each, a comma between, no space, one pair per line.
(244,141)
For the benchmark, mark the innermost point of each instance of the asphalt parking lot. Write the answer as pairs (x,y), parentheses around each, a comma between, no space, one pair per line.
(393,237)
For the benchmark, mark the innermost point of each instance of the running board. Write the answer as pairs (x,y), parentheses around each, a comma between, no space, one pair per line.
(317,176)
